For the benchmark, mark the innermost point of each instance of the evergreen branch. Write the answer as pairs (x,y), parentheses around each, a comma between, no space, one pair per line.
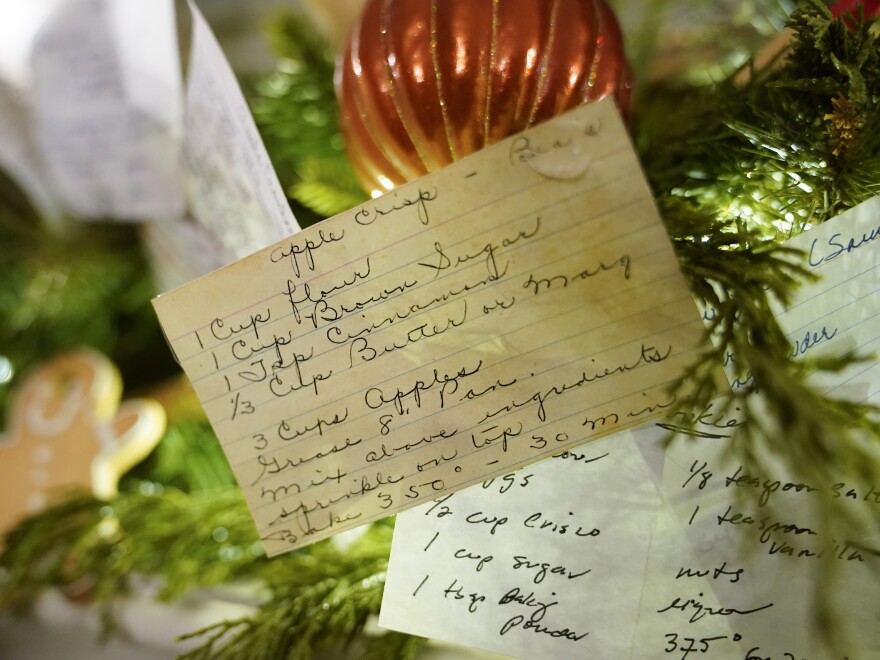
(328,186)
(36,552)
(392,645)
(296,111)
(315,596)
(293,37)
(151,531)
(188,458)
(323,594)
(81,286)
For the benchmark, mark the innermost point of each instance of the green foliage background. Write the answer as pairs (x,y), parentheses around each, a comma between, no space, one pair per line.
(735,167)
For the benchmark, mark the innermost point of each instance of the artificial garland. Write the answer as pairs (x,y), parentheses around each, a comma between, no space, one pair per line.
(741,167)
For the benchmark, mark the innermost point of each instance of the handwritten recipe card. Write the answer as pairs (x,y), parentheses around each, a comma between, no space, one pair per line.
(738,577)
(519,302)
(734,577)
(841,312)
(547,562)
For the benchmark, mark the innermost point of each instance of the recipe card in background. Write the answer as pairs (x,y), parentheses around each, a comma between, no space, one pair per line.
(106,107)
(587,555)
(524,300)
(840,312)
(546,562)
(233,190)
(236,203)
(730,576)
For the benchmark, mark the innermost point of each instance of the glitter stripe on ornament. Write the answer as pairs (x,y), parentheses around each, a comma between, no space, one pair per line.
(487,73)
(545,63)
(392,65)
(438,77)
(424,82)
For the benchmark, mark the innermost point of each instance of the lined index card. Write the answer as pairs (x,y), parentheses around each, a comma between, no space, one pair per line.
(521,301)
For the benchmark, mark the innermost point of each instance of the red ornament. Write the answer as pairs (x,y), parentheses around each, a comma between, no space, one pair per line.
(849,9)
(852,7)
(424,82)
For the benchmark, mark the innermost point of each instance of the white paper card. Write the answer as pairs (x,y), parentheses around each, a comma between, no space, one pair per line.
(547,562)
(19,156)
(106,105)
(182,251)
(735,578)
(234,191)
(841,312)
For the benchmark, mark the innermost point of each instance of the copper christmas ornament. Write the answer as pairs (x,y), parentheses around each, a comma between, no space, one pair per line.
(424,82)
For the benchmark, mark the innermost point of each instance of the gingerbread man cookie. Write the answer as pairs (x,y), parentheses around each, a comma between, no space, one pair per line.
(67,428)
